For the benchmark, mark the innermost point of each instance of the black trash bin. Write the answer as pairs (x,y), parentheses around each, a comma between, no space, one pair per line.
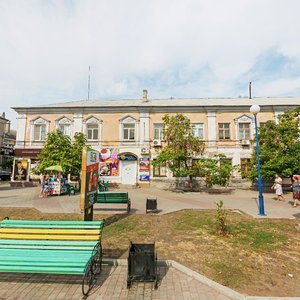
(142,263)
(151,204)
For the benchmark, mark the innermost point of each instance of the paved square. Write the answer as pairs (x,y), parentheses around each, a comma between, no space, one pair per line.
(112,284)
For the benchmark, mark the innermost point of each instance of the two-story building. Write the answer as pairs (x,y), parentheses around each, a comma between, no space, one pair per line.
(129,133)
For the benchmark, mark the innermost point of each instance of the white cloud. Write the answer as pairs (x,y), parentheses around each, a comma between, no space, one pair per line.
(192,48)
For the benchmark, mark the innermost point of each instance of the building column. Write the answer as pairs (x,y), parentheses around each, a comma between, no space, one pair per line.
(77,123)
(144,128)
(21,131)
(211,128)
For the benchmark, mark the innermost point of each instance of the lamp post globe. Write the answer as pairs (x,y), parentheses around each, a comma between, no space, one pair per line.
(255,109)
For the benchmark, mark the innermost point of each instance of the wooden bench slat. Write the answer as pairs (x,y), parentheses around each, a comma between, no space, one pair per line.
(66,244)
(84,223)
(37,253)
(48,270)
(48,226)
(50,231)
(46,247)
(45,242)
(49,237)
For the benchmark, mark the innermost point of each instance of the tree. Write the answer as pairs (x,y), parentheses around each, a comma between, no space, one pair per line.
(76,153)
(279,146)
(181,146)
(212,172)
(58,150)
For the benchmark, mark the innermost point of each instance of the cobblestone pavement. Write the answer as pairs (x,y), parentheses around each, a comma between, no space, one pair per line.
(112,284)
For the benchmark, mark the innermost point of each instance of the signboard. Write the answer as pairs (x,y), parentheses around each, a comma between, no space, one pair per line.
(20,169)
(144,168)
(89,178)
(127,156)
(109,165)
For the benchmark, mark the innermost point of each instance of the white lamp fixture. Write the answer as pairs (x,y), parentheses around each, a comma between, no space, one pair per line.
(255,109)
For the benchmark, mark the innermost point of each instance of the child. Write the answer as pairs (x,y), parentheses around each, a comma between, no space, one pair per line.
(296,190)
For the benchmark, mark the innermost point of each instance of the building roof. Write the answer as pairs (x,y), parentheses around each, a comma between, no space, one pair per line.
(173,102)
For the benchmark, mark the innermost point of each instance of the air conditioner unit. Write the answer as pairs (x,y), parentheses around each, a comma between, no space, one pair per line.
(157,143)
(145,150)
(245,142)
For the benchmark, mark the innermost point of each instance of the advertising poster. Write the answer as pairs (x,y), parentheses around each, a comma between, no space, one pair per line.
(144,168)
(109,162)
(89,177)
(20,170)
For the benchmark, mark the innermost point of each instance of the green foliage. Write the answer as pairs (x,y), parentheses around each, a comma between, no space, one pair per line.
(181,146)
(76,153)
(221,215)
(7,162)
(213,173)
(58,150)
(279,147)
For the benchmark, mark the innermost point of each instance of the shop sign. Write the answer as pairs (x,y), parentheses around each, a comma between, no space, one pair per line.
(127,156)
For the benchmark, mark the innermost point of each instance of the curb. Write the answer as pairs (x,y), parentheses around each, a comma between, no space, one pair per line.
(230,293)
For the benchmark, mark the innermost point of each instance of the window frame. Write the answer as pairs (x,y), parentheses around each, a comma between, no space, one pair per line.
(244,132)
(129,131)
(198,126)
(159,128)
(224,131)
(40,138)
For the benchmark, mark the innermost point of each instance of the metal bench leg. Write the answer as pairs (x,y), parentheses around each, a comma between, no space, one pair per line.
(88,279)
(128,206)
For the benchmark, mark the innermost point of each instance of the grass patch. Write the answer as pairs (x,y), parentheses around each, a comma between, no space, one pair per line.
(254,258)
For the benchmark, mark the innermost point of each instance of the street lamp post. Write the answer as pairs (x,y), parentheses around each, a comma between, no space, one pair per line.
(255,109)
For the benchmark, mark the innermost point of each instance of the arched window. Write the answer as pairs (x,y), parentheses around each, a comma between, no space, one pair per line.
(128,129)
(93,129)
(39,129)
(64,125)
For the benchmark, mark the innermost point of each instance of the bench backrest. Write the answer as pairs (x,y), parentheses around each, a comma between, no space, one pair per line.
(112,197)
(51,230)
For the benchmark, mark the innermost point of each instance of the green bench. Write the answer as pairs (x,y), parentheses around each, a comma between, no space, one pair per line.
(114,197)
(52,247)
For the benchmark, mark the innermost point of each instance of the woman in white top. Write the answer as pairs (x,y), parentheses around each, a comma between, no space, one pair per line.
(277,186)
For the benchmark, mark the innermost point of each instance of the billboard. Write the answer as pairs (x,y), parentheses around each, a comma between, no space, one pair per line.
(89,177)
(20,170)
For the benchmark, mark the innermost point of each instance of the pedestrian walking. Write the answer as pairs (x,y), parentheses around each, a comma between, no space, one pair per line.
(277,186)
(42,183)
(296,190)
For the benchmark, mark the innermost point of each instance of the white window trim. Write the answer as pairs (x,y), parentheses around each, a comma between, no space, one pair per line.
(162,128)
(243,119)
(38,121)
(129,120)
(93,120)
(203,129)
(65,121)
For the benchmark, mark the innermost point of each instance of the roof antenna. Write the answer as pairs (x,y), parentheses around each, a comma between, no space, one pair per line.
(89,81)
(250,91)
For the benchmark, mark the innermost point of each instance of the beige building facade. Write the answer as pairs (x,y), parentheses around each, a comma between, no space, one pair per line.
(129,133)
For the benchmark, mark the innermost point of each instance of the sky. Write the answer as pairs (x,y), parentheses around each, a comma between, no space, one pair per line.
(172,48)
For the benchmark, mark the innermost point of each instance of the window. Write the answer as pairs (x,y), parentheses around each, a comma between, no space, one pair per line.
(244,131)
(65,129)
(197,130)
(160,170)
(224,131)
(245,166)
(128,132)
(39,132)
(92,131)
(158,132)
